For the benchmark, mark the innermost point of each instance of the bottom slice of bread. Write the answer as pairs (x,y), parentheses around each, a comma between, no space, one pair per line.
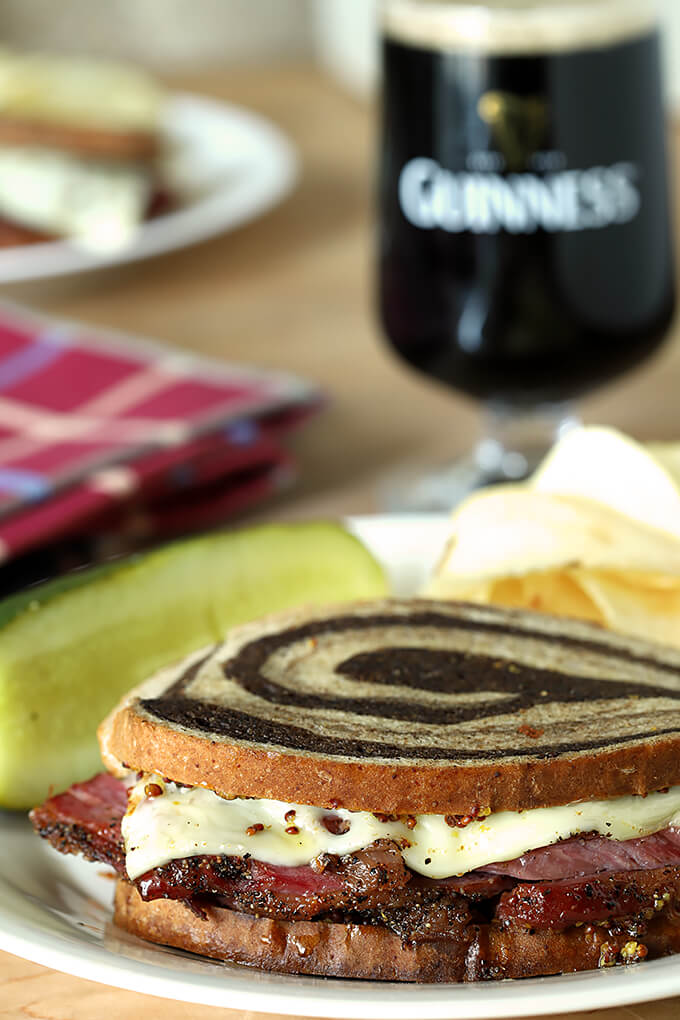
(375,953)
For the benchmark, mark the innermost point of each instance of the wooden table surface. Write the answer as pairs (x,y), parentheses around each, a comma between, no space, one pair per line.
(295,290)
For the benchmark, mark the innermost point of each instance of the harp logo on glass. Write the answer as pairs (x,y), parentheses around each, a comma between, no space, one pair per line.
(431,196)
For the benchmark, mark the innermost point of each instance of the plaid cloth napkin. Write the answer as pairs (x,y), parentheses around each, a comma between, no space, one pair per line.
(101,434)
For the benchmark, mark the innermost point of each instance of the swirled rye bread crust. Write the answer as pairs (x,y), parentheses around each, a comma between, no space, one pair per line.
(426,717)
(411,706)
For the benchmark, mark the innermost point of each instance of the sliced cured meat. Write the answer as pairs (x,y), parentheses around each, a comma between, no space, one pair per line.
(476,885)
(374,882)
(86,819)
(586,855)
(296,892)
(362,880)
(444,918)
(593,898)
(366,882)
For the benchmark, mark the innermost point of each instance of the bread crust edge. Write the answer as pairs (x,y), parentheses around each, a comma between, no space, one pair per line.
(237,770)
(374,953)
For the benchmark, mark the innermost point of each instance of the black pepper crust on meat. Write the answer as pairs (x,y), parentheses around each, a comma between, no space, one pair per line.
(361,880)
(69,840)
(426,918)
(600,897)
(86,820)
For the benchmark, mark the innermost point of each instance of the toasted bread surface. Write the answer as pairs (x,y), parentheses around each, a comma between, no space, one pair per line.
(375,953)
(411,706)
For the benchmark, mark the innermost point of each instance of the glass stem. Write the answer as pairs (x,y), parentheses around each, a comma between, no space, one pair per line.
(515,439)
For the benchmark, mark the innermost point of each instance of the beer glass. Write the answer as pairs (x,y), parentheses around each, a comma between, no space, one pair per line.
(525,236)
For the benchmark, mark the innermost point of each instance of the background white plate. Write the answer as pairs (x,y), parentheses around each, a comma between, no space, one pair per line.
(226,167)
(56,910)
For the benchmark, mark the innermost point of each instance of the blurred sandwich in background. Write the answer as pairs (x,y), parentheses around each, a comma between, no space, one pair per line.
(79,150)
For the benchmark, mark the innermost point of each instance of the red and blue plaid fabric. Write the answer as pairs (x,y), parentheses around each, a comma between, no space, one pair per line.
(100,432)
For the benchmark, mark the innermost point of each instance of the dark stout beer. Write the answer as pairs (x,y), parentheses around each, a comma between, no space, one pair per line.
(525,249)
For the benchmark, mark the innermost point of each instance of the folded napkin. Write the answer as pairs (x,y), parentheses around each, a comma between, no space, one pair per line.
(105,435)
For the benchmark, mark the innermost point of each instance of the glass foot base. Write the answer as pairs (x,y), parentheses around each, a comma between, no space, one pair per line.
(437,489)
(512,446)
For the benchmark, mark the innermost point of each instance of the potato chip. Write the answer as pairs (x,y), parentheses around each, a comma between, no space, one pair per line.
(512,530)
(603,465)
(668,455)
(594,535)
(647,611)
(553,591)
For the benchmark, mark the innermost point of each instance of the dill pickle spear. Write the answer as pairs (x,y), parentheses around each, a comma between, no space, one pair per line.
(69,649)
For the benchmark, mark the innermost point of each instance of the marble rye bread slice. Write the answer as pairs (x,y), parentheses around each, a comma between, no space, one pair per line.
(410,707)
(372,952)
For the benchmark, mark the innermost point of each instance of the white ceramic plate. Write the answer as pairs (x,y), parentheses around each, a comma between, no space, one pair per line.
(56,910)
(226,166)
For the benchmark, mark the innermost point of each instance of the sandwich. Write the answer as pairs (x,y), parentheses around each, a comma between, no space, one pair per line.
(79,148)
(404,790)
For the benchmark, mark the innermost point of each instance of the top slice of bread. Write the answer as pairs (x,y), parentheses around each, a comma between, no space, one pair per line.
(408,707)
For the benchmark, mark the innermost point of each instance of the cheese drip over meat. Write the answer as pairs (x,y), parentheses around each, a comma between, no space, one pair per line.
(178,821)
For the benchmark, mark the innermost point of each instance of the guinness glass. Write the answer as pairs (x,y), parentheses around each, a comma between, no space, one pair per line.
(525,246)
